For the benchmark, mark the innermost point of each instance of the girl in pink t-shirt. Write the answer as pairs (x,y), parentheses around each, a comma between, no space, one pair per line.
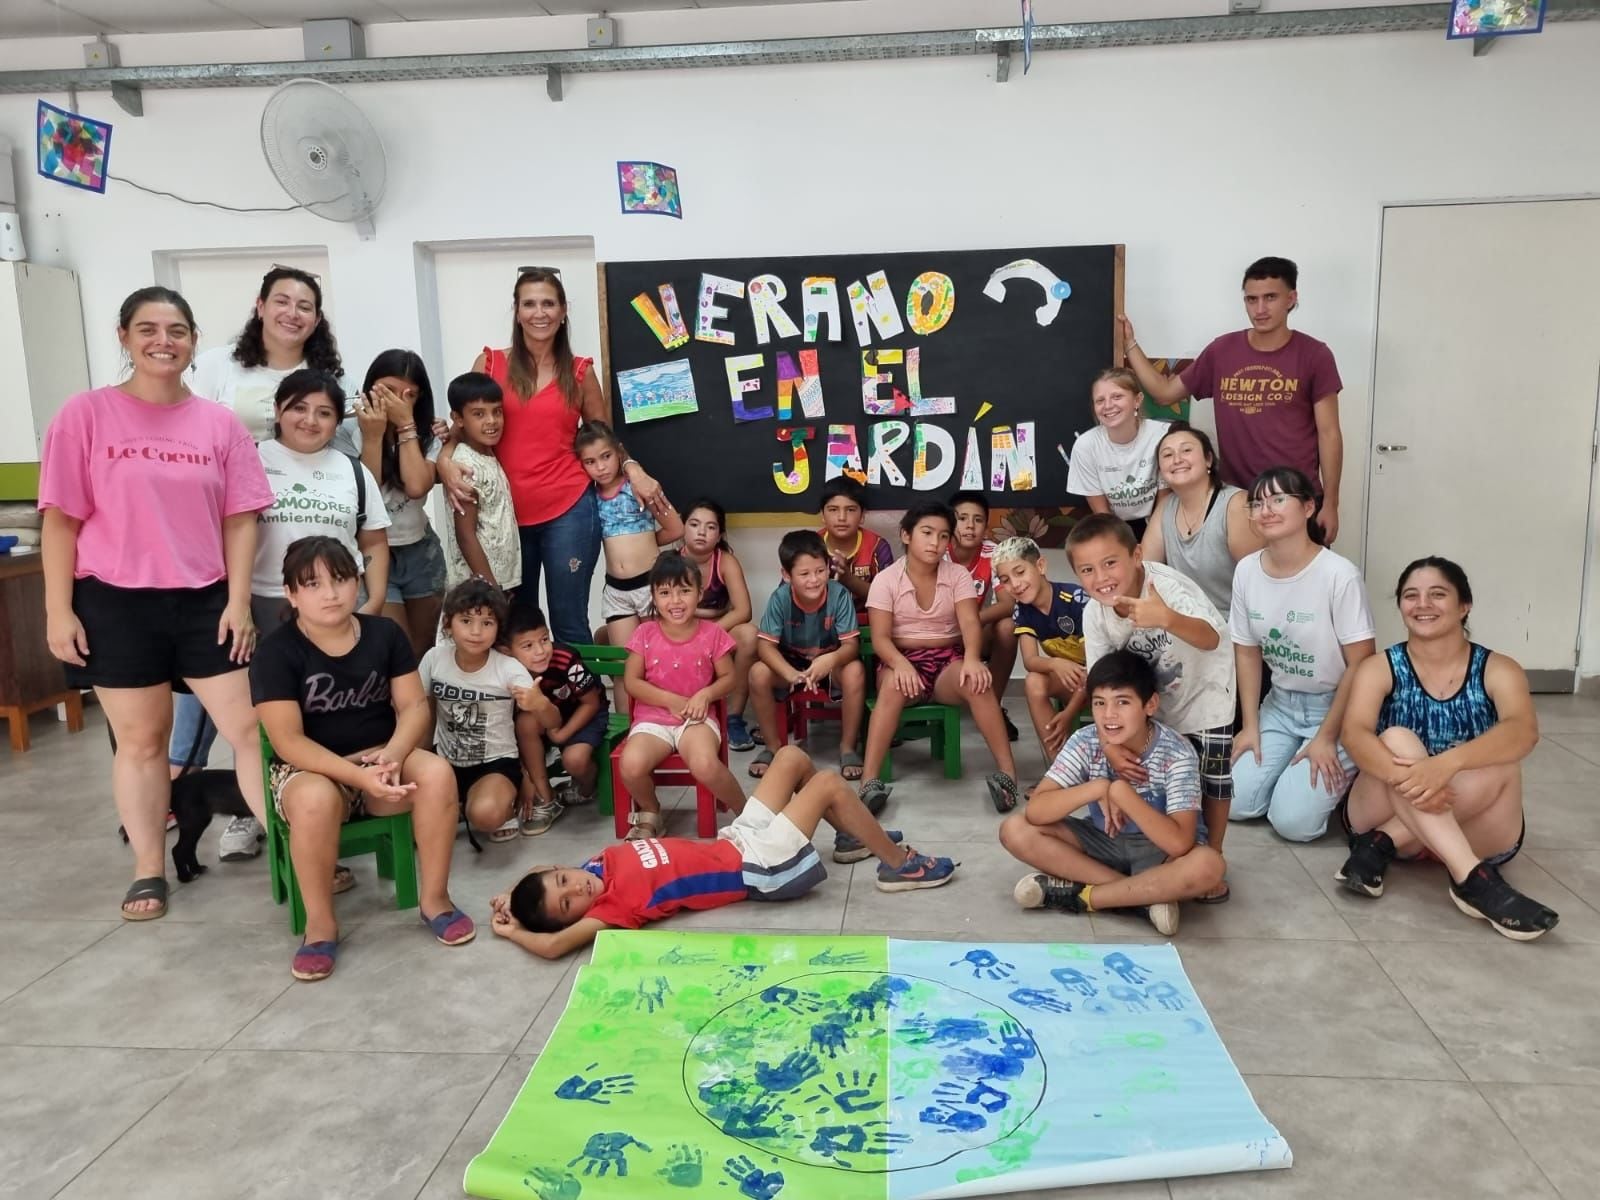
(929,645)
(150,496)
(679,668)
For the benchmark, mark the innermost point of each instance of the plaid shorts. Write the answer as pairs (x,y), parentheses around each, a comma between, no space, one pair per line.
(1215,748)
(280,773)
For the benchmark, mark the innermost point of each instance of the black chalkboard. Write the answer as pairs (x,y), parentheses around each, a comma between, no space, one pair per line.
(986,351)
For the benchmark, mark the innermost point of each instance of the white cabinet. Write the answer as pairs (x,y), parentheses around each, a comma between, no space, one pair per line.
(43,356)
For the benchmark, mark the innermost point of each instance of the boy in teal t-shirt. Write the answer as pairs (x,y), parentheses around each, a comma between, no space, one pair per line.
(807,637)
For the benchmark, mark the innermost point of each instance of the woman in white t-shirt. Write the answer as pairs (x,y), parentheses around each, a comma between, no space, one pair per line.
(391,430)
(1113,466)
(1301,609)
(286,330)
(316,491)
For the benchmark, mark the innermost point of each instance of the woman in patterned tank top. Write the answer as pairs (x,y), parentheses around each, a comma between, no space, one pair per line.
(1439,727)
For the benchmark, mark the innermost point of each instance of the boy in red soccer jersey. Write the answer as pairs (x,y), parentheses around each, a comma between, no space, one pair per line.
(765,854)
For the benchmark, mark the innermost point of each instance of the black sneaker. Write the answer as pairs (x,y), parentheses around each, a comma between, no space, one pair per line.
(1011,730)
(1485,895)
(1046,891)
(847,849)
(1370,856)
(1002,791)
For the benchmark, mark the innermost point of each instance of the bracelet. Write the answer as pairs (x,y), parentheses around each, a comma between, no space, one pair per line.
(1129,346)
(630,462)
(406,427)
(406,437)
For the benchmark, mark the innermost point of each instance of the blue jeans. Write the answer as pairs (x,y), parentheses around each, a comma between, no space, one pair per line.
(569,546)
(188,719)
(1274,788)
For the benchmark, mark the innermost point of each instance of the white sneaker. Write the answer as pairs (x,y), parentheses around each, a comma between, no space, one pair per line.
(241,839)
(541,815)
(1164,917)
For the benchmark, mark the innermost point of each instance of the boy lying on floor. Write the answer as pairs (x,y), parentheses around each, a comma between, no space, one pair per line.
(764,854)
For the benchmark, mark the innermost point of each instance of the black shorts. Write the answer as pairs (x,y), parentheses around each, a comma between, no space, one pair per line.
(141,637)
(467,776)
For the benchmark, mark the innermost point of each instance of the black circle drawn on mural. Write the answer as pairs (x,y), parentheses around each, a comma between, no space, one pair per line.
(765,1148)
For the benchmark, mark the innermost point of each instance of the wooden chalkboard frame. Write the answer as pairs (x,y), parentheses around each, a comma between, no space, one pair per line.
(783,517)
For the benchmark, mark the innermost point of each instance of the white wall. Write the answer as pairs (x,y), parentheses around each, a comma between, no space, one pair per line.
(1198,158)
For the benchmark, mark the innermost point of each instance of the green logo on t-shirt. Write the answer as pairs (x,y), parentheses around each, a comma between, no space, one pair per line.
(1285,656)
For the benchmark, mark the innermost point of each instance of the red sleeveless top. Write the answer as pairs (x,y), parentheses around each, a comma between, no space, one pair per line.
(535,449)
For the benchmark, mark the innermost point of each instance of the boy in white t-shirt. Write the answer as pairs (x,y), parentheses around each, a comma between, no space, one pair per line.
(1162,616)
(471,687)
(483,540)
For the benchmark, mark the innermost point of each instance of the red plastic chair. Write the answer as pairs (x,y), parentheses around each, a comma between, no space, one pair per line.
(800,709)
(673,771)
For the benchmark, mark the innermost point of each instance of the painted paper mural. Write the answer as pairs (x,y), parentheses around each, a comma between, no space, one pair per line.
(867,1068)
(72,148)
(648,187)
(663,390)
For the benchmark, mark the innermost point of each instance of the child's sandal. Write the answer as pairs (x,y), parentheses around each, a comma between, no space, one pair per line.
(643,826)
(759,764)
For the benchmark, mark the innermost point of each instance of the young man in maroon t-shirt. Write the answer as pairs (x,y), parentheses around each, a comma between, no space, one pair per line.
(1276,389)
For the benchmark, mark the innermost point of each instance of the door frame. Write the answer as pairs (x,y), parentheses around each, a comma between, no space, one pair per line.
(1541,681)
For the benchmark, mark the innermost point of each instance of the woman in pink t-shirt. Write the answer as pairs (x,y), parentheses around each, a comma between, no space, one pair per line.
(679,668)
(929,645)
(548,391)
(150,495)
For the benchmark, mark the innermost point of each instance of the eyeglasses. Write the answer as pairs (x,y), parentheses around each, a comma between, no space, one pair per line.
(1277,502)
(556,271)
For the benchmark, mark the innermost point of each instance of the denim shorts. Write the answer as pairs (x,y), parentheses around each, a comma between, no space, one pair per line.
(591,734)
(416,571)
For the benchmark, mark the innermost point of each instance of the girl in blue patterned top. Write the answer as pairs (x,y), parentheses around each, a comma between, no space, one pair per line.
(1439,726)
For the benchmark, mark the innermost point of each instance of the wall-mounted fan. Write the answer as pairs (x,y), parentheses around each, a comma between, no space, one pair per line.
(324,152)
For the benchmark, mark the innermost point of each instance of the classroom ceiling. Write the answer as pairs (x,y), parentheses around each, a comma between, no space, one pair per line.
(63,18)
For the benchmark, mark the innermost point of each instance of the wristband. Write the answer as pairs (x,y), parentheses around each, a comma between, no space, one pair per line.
(630,462)
(406,437)
(1130,346)
(407,426)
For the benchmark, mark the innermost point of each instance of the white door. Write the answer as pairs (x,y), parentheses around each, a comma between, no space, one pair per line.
(1484,405)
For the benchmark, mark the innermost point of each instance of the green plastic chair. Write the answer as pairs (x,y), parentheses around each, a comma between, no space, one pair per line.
(387,837)
(940,722)
(609,661)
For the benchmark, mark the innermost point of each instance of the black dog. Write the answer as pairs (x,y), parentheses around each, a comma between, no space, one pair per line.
(197,796)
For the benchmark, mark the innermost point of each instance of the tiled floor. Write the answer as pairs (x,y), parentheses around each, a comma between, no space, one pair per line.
(1402,1049)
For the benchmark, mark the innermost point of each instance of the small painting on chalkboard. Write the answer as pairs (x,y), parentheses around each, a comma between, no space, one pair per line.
(662,390)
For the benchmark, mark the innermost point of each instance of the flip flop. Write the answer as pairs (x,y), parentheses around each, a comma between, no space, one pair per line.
(643,826)
(451,927)
(314,961)
(1216,897)
(152,888)
(849,761)
(762,760)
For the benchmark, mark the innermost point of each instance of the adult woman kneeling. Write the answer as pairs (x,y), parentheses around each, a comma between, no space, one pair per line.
(1439,727)
(548,391)
(150,496)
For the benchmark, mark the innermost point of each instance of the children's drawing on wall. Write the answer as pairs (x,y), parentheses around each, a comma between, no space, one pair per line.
(862,1067)
(72,148)
(648,187)
(662,390)
(1491,18)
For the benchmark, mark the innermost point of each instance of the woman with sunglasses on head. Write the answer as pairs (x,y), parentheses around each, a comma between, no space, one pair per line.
(1302,610)
(1439,726)
(286,331)
(549,391)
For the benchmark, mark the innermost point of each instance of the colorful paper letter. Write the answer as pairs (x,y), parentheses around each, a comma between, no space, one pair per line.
(844,455)
(806,379)
(737,365)
(924,479)
(883,439)
(930,302)
(712,286)
(924,406)
(872,401)
(767,293)
(1055,289)
(821,299)
(1012,454)
(972,464)
(796,481)
(670,330)
(878,304)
